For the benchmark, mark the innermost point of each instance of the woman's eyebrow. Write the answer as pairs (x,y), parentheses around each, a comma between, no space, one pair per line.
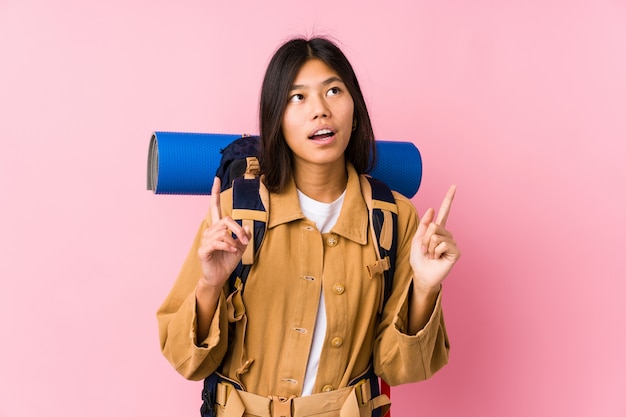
(326,82)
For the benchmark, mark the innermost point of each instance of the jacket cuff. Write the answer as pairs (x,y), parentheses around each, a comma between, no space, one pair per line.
(401,319)
(213,337)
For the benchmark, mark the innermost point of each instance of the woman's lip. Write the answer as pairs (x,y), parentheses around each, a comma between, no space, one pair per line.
(331,132)
(323,136)
(324,140)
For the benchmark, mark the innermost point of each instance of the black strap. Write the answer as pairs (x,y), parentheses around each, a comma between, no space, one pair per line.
(209,393)
(246,196)
(381,192)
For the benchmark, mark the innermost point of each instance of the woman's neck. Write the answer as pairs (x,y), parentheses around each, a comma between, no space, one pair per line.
(321,183)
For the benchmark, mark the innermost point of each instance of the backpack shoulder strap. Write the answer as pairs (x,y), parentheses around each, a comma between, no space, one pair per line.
(383,213)
(250,199)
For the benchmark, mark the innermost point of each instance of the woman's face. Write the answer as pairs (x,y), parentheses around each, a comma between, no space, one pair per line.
(317,122)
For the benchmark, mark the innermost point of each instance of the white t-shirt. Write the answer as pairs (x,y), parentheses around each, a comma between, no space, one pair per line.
(325,216)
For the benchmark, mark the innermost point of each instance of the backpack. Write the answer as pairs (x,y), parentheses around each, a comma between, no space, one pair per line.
(239,169)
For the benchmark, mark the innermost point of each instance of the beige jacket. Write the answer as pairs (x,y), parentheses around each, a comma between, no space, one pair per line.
(281,298)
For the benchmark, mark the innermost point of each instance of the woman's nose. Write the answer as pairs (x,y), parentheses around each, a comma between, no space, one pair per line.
(319,108)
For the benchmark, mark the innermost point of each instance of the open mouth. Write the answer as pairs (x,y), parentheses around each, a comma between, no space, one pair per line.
(322,134)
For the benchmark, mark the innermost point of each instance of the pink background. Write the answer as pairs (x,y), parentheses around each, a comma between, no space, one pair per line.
(520,103)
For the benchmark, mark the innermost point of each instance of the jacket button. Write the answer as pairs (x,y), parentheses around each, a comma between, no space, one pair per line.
(338,289)
(327,388)
(336,342)
(332,240)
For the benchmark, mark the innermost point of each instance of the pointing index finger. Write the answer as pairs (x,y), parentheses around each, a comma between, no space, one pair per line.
(216,212)
(442,217)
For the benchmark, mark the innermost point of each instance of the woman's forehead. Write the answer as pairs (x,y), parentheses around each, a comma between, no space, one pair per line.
(315,72)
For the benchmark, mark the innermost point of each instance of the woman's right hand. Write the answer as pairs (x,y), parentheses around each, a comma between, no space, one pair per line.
(219,251)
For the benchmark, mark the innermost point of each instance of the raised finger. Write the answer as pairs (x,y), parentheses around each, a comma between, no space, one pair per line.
(430,236)
(216,212)
(442,217)
(424,222)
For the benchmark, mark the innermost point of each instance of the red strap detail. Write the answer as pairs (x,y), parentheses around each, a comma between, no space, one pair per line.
(385,389)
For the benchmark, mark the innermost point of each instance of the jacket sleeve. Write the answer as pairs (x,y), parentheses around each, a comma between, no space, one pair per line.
(193,359)
(400,357)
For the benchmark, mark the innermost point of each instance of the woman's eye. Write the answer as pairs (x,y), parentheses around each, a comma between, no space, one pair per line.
(333,91)
(296,97)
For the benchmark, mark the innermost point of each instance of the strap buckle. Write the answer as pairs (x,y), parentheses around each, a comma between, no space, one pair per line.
(379,267)
(281,406)
(223,391)
(363,391)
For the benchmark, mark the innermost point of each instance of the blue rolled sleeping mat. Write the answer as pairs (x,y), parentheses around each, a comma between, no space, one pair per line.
(185,163)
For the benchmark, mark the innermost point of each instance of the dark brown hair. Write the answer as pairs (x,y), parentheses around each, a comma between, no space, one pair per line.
(275,157)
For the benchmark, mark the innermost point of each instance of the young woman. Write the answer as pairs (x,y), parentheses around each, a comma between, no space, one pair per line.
(314,335)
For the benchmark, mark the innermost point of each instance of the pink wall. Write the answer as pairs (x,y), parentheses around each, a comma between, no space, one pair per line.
(521,103)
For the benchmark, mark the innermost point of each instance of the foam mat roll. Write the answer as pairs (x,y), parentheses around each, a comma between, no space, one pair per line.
(185,163)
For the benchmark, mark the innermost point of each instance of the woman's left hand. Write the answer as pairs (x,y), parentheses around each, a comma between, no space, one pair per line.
(433,251)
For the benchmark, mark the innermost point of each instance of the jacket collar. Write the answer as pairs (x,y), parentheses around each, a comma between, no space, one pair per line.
(353,218)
